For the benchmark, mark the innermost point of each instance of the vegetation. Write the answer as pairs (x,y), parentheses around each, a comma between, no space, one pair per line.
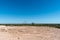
(50,25)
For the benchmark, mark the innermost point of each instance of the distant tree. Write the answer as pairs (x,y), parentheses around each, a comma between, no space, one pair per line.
(32,24)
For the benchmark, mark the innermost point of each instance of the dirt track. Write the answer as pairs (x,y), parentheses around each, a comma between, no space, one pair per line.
(29,33)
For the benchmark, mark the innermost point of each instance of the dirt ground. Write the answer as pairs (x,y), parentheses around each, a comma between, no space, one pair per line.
(29,33)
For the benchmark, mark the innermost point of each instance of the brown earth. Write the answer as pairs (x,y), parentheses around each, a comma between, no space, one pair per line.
(29,33)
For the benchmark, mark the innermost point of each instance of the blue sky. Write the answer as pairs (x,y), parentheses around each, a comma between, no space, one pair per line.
(37,11)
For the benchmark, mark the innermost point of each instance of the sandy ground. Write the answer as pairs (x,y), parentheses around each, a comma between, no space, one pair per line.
(29,33)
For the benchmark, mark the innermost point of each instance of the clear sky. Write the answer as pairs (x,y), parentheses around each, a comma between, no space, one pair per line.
(37,11)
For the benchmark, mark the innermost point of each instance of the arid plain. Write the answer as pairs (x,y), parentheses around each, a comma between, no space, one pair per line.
(29,33)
